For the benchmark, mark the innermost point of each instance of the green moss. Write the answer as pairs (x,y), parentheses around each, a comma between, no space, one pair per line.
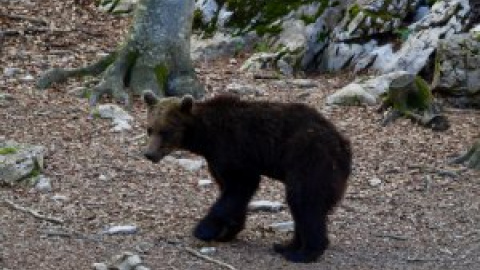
(423,98)
(431,2)
(8,151)
(322,36)
(197,19)
(271,29)
(35,172)
(353,10)
(403,33)
(335,3)
(308,19)
(95,113)
(161,73)
(352,101)
(262,47)
(259,15)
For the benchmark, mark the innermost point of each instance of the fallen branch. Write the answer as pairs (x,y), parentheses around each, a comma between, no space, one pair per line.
(33,212)
(200,255)
(392,236)
(24,18)
(31,30)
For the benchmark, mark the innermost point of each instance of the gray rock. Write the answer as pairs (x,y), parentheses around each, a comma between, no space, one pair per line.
(121,229)
(364,91)
(475,32)
(20,162)
(208,8)
(288,226)
(100,266)
(421,12)
(242,89)
(457,67)
(59,198)
(259,61)
(205,182)
(208,250)
(11,71)
(267,206)
(367,18)
(220,45)
(190,164)
(27,78)
(302,83)
(124,261)
(285,68)
(6,99)
(445,19)
(43,184)
(293,36)
(119,116)
(374,181)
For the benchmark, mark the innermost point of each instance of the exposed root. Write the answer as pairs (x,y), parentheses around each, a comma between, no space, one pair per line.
(471,157)
(57,75)
(112,81)
(32,212)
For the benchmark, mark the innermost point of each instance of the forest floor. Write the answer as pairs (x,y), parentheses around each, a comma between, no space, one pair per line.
(424,213)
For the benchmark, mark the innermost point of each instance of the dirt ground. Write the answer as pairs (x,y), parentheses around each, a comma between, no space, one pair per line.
(425,214)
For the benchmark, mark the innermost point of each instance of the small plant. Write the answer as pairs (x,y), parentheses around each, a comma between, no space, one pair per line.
(262,47)
(403,33)
(8,151)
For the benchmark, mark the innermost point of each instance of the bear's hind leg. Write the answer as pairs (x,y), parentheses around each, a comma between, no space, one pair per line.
(227,216)
(309,212)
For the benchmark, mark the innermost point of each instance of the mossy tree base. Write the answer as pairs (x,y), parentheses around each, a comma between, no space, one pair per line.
(155,57)
(471,158)
(410,96)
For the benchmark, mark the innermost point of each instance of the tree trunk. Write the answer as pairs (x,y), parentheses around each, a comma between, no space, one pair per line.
(411,97)
(471,158)
(155,56)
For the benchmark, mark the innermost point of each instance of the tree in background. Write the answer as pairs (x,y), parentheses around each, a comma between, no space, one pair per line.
(154,56)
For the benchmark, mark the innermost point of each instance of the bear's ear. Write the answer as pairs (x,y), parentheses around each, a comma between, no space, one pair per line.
(186,104)
(150,98)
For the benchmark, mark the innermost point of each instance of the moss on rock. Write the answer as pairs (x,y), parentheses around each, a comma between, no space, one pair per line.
(8,151)
(261,15)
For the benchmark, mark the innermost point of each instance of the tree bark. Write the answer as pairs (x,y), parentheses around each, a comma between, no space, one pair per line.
(471,158)
(154,57)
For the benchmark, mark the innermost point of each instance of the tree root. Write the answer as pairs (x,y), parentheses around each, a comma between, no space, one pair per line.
(57,75)
(112,81)
(471,157)
(33,212)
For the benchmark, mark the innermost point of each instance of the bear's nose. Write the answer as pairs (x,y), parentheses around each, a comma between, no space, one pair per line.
(149,155)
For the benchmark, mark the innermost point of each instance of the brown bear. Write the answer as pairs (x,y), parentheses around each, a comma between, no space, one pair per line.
(242,140)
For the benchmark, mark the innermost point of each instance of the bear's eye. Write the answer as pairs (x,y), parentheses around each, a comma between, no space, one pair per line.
(149,131)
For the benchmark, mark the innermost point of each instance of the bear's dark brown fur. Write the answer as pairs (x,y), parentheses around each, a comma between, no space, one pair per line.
(242,140)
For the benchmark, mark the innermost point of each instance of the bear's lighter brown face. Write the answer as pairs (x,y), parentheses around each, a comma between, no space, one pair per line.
(165,124)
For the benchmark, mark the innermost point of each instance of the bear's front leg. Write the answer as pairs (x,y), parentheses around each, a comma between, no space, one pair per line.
(226,217)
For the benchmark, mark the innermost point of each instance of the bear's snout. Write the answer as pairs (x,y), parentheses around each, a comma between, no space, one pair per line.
(153,157)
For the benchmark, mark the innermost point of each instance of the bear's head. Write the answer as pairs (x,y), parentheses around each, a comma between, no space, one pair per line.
(166,122)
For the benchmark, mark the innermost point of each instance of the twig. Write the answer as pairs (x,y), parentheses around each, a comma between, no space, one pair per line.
(31,30)
(24,18)
(392,236)
(418,259)
(137,138)
(33,212)
(198,254)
